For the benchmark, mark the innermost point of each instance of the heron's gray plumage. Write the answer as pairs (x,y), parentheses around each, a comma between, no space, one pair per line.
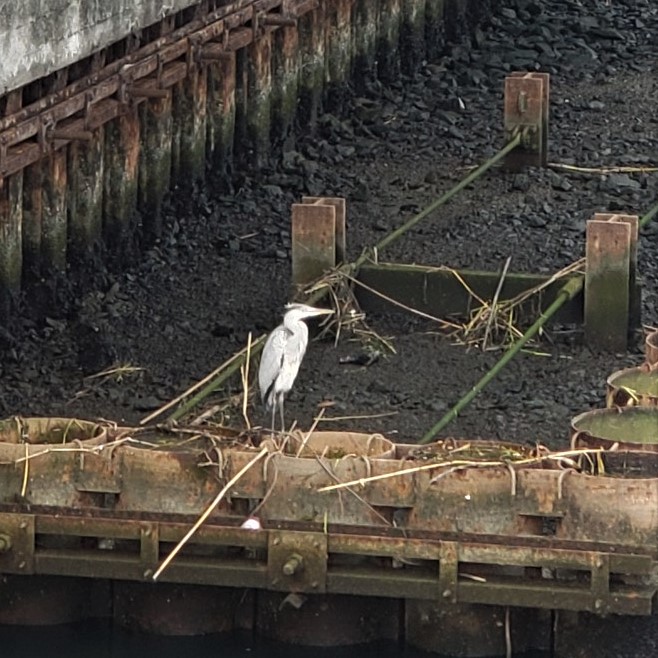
(282,355)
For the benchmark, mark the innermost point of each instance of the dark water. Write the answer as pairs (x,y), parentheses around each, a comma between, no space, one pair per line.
(97,639)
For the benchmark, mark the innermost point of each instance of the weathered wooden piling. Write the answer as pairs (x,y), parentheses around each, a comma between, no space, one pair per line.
(154,178)
(120,178)
(259,100)
(412,31)
(54,213)
(339,47)
(189,120)
(607,284)
(240,142)
(85,196)
(221,115)
(312,46)
(32,221)
(434,29)
(285,83)
(364,38)
(388,41)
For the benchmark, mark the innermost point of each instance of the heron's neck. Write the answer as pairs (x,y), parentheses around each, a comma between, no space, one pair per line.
(295,326)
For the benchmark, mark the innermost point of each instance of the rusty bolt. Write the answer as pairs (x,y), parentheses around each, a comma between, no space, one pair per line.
(5,543)
(293,564)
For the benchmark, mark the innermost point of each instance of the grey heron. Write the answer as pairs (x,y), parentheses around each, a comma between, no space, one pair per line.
(282,355)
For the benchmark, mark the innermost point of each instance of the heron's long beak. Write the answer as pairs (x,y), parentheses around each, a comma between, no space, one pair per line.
(324,311)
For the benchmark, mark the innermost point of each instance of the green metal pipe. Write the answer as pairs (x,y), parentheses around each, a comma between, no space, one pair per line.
(570,289)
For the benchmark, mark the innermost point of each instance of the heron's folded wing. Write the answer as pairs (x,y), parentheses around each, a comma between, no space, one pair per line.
(271,362)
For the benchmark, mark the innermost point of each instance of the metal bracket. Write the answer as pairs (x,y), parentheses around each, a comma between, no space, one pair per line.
(17,543)
(297,561)
(448,571)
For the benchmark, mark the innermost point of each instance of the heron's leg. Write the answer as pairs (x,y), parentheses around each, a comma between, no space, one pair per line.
(273,414)
(283,423)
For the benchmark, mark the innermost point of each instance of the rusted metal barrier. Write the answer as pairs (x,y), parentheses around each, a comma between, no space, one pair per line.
(453,523)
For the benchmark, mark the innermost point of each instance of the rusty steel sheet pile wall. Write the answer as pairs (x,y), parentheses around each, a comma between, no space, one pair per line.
(444,524)
(88,153)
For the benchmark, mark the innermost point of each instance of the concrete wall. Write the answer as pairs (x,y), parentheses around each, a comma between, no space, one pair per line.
(38,37)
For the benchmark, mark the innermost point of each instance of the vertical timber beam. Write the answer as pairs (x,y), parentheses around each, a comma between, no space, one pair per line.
(634,296)
(11,225)
(190,112)
(526,113)
(122,146)
(412,46)
(285,62)
(259,98)
(434,29)
(240,132)
(54,218)
(312,46)
(364,35)
(32,221)
(85,196)
(341,216)
(607,284)
(313,241)
(221,116)
(154,177)
(339,49)
(388,41)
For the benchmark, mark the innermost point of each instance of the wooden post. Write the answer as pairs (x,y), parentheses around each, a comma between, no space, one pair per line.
(285,58)
(11,225)
(259,98)
(341,215)
(154,177)
(412,35)
(54,217)
(313,241)
(32,221)
(340,49)
(435,29)
(526,113)
(191,112)
(85,196)
(607,284)
(311,41)
(388,41)
(120,178)
(364,34)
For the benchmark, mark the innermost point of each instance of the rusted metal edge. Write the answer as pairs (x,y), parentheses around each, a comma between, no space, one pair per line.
(157,66)
(600,593)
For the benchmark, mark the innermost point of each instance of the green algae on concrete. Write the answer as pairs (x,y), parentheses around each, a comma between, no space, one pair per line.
(154,177)
(85,195)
